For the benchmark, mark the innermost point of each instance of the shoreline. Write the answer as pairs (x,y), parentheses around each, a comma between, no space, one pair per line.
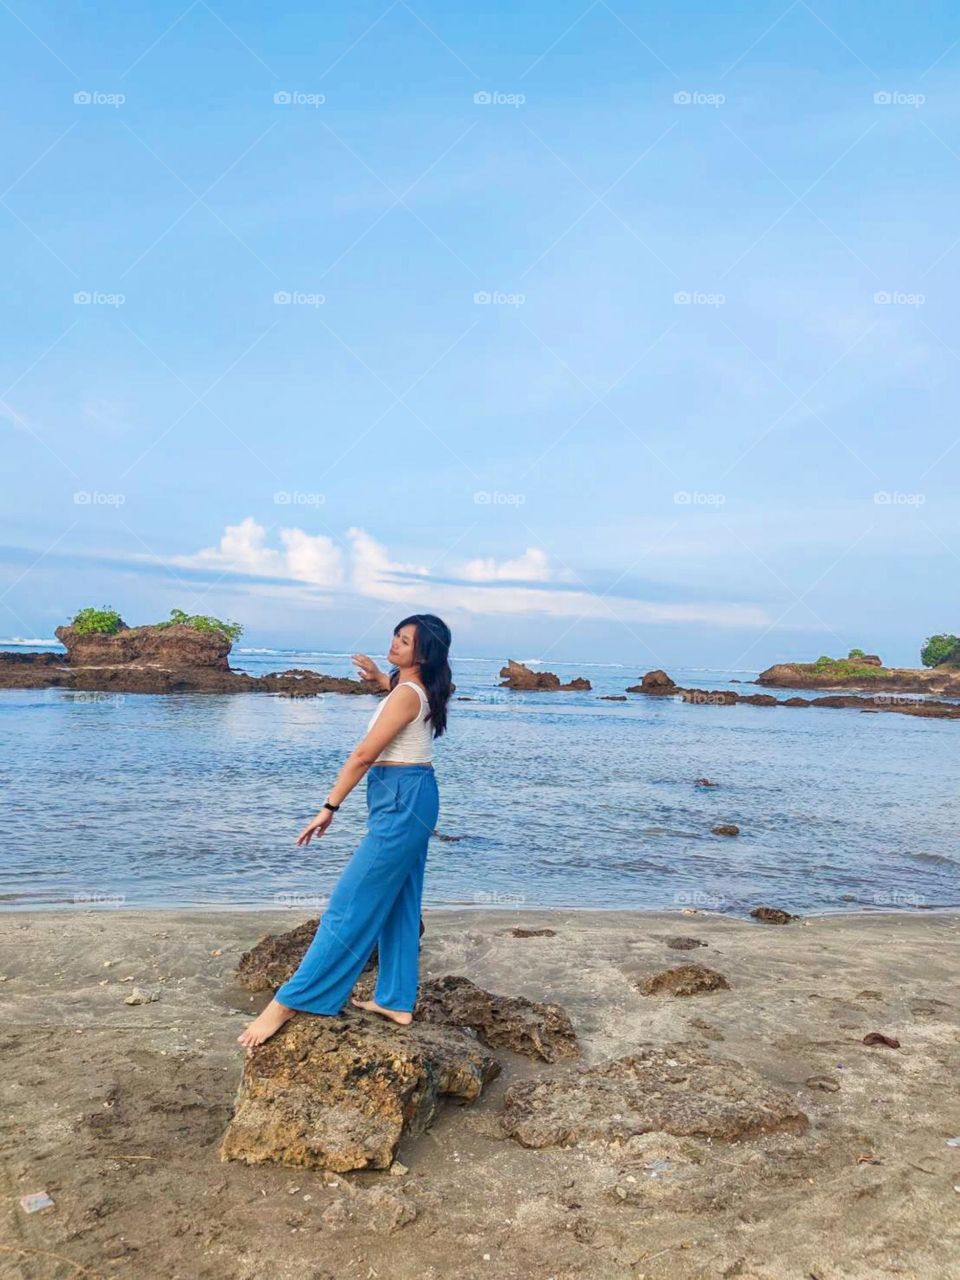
(664,913)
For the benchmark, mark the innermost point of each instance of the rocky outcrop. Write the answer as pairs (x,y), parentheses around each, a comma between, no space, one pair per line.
(515,675)
(340,1093)
(172,647)
(167,659)
(729,698)
(528,1027)
(862,673)
(654,682)
(674,1090)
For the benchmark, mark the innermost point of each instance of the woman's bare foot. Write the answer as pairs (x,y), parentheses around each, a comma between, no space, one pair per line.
(270,1020)
(396,1015)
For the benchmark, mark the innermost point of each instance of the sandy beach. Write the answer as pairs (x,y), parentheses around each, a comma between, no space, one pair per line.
(117,1110)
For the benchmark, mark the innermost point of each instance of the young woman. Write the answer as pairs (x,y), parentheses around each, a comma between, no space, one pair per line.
(377,897)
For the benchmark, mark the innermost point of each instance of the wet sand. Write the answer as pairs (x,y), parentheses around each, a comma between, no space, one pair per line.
(117,1110)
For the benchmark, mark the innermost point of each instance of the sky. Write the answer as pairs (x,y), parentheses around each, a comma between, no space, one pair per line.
(607,332)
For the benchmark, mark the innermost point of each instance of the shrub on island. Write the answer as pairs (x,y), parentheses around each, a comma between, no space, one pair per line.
(107,622)
(941,650)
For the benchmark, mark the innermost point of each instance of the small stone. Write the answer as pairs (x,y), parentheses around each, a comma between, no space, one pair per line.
(827,1083)
(684,980)
(772,915)
(137,996)
(725,829)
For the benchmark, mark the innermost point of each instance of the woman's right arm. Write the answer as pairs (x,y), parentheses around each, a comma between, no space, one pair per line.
(369,670)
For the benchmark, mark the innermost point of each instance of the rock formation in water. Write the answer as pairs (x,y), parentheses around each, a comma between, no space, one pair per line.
(515,675)
(172,658)
(861,673)
(653,686)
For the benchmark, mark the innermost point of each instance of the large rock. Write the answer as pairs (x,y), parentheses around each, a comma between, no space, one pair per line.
(339,1093)
(158,659)
(516,675)
(174,646)
(527,1027)
(654,682)
(674,1089)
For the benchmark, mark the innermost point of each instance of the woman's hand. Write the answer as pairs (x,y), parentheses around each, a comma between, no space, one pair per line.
(315,828)
(368,669)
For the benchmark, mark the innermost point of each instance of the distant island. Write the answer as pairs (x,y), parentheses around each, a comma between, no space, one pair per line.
(187,653)
(940,673)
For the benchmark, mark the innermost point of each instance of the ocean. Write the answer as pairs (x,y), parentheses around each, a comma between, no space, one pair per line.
(555,799)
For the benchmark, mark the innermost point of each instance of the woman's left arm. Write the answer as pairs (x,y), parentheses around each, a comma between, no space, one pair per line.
(403,706)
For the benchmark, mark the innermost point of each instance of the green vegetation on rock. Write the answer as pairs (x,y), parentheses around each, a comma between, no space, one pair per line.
(201,622)
(844,669)
(857,653)
(102,622)
(939,649)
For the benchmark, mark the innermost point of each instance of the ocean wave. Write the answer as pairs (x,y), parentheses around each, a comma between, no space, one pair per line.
(32,644)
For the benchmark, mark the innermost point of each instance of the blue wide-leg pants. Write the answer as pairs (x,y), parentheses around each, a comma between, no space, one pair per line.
(375,901)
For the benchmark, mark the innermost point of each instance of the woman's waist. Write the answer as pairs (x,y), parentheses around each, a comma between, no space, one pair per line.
(403,764)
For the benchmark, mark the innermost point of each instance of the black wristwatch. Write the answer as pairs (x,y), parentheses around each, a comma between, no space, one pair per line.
(332,807)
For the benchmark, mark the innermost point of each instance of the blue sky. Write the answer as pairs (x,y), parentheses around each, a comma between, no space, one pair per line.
(615,332)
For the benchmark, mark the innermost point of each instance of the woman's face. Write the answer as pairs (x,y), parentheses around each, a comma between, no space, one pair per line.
(403,647)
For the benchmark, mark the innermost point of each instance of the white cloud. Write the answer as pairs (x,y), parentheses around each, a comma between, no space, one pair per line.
(532,565)
(371,567)
(312,558)
(370,572)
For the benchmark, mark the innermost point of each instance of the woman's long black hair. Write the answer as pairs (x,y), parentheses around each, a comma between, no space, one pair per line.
(433,648)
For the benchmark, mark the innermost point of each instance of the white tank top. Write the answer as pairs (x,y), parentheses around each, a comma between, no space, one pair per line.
(412,744)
